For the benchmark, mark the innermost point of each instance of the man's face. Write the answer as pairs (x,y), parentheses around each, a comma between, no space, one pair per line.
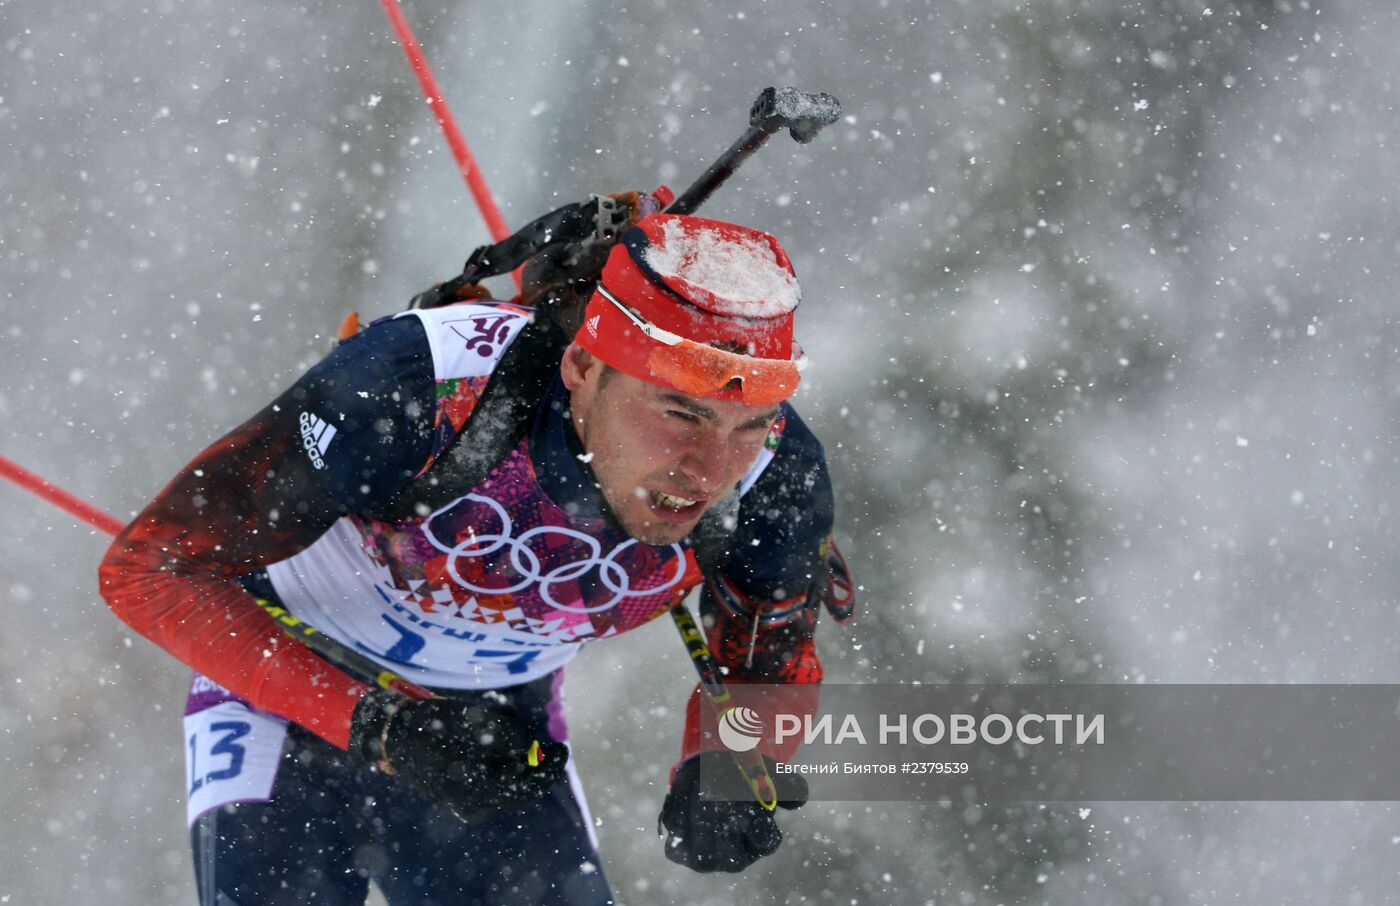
(661,457)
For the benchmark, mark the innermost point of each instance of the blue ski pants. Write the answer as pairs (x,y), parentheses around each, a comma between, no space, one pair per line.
(331,827)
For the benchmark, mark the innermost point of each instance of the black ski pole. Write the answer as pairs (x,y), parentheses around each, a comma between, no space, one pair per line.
(343,656)
(357,664)
(802,113)
(750,763)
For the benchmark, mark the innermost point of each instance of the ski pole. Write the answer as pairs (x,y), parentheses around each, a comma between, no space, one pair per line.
(343,656)
(750,763)
(802,113)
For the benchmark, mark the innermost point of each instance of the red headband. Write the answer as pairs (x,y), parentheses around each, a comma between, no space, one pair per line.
(718,301)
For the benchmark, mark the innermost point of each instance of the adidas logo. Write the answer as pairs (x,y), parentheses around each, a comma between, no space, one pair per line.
(316,436)
(593,325)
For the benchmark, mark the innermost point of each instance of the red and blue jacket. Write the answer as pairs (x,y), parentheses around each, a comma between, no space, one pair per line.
(496,588)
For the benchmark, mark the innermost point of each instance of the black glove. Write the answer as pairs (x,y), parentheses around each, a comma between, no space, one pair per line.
(472,759)
(707,834)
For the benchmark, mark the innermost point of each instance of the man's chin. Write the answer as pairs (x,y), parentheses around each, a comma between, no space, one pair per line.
(659,535)
(657,532)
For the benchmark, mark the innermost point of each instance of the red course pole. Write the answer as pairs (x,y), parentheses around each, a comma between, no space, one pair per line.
(466,164)
(59,497)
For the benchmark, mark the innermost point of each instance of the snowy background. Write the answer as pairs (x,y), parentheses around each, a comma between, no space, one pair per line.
(1097,296)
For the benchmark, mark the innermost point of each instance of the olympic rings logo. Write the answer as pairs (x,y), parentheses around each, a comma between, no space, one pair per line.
(526,563)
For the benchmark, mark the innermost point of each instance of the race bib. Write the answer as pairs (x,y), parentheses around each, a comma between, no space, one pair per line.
(231,751)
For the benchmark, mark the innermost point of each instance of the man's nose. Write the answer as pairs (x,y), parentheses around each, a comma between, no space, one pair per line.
(706,465)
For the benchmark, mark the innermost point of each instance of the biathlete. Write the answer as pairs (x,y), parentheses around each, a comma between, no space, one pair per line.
(379,500)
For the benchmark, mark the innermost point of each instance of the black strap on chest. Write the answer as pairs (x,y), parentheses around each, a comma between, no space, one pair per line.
(501,418)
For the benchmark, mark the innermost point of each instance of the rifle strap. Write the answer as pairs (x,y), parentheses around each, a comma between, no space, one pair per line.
(501,418)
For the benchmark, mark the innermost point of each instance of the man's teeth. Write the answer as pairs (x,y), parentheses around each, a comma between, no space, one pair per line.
(675,503)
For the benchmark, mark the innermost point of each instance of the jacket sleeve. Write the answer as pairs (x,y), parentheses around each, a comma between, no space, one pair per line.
(348,435)
(759,612)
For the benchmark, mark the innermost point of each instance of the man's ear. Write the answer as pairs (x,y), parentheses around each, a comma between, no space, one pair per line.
(577,366)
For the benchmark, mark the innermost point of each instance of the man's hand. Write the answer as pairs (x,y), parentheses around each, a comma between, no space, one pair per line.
(474,760)
(708,834)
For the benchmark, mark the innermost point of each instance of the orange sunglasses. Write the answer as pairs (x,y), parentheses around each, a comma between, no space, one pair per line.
(704,371)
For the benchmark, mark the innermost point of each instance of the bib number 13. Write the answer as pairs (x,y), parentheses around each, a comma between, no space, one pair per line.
(215,752)
(231,755)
